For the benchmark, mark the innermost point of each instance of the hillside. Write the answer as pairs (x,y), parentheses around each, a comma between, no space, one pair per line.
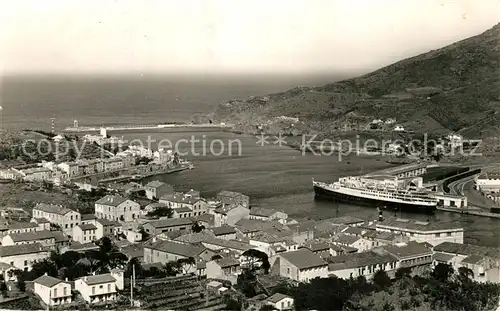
(455,88)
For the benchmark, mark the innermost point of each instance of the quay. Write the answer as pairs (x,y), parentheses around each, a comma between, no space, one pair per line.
(469,211)
(221,126)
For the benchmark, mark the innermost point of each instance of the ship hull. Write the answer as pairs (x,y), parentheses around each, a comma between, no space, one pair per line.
(326,194)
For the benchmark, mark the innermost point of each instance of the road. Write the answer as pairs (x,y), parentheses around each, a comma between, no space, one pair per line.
(465,187)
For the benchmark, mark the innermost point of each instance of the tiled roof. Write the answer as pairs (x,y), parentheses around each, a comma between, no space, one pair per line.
(105,222)
(60,236)
(303,259)
(277,297)
(182,210)
(228,262)
(88,217)
(413,249)
(473,259)
(354,231)
(15,250)
(223,230)
(178,248)
(32,236)
(209,218)
(41,220)
(195,237)
(111,200)
(441,257)
(22,225)
(53,209)
(232,244)
(345,220)
(154,184)
(317,246)
(180,198)
(358,260)
(397,223)
(345,239)
(47,281)
(267,237)
(99,279)
(467,249)
(86,227)
(170,222)
(255,225)
(381,235)
(262,212)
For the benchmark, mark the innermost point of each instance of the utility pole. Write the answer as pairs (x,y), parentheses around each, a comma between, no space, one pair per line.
(1,118)
(132,283)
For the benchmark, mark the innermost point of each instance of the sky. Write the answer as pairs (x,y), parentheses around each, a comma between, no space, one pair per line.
(229,36)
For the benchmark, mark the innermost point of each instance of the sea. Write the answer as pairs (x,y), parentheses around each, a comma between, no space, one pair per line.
(271,173)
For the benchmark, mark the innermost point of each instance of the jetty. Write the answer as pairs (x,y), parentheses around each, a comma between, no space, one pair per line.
(204,126)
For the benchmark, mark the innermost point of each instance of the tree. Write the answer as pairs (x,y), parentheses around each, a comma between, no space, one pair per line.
(257,256)
(216,257)
(171,268)
(403,272)
(381,279)
(106,258)
(196,227)
(247,283)
(161,212)
(21,285)
(267,308)
(134,263)
(186,262)
(442,272)
(41,267)
(3,289)
(465,275)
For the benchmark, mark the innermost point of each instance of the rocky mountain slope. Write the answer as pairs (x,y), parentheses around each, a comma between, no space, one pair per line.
(455,88)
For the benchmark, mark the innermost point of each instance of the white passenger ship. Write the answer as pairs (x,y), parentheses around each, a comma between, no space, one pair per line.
(384,192)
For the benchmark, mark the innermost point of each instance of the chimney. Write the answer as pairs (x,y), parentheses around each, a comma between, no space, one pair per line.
(66,279)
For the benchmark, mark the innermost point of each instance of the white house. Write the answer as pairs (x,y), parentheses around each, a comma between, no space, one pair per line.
(361,264)
(227,268)
(85,233)
(229,214)
(488,182)
(433,233)
(70,168)
(97,288)
(63,217)
(267,214)
(455,140)
(301,265)
(113,207)
(280,301)
(399,128)
(52,291)
(23,256)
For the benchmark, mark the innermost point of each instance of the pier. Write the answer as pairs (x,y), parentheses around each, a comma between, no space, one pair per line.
(221,126)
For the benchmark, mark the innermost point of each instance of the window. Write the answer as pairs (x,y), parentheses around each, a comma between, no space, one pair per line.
(438,235)
(448,234)
(109,288)
(25,262)
(66,226)
(101,286)
(64,291)
(71,217)
(55,292)
(288,270)
(93,290)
